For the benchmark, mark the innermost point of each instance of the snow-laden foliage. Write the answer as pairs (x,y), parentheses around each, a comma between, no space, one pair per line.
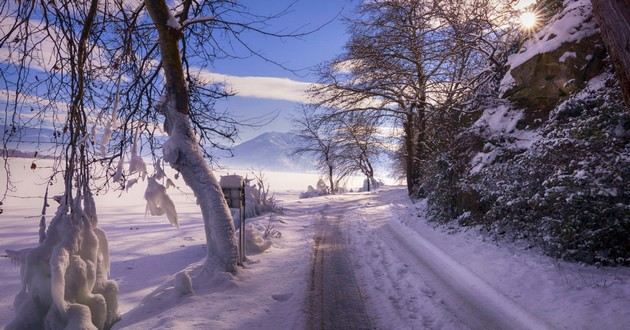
(159,203)
(569,192)
(258,199)
(64,279)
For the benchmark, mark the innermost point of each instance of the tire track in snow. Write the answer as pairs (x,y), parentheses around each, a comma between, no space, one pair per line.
(335,299)
(439,285)
(401,294)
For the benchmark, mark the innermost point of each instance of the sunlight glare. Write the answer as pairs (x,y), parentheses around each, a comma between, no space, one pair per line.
(528,20)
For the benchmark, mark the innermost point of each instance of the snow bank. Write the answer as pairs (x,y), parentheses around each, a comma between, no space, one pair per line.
(255,243)
(147,253)
(391,240)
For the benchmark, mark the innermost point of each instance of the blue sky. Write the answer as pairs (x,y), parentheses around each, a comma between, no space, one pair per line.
(265,89)
(301,54)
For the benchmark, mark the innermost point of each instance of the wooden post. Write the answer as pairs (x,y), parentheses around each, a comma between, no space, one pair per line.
(234,191)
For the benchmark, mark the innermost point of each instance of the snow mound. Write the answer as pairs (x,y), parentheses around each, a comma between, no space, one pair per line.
(255,243)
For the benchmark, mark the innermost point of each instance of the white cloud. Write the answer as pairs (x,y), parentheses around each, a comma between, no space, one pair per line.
(261,87)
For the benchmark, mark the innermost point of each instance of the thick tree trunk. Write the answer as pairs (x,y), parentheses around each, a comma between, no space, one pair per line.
(613,17)
(183,154)
(420,140)
(410,156)
(331,180)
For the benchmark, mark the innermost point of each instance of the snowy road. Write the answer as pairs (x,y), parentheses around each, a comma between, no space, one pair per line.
(335,298)
(447,285)
(408,282)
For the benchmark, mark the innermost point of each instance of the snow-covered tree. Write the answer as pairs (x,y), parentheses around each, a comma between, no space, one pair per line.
(65,278)
(181,150)
(104,76)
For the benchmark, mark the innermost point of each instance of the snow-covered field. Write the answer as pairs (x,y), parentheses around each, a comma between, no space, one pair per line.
(414,275)
(147,252)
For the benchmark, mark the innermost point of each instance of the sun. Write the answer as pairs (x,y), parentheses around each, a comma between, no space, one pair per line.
(528,20)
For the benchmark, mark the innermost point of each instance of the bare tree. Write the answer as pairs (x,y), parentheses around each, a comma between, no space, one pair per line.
(317,138)
(360,143)
(102,76)
(407,60)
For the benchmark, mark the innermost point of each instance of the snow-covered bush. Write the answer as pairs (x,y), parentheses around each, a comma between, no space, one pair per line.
(64,279)
(258,198)
(569,192)
(321,189)
(374,184)
(255,241)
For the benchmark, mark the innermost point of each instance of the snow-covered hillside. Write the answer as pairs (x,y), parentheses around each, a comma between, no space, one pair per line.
(547,159)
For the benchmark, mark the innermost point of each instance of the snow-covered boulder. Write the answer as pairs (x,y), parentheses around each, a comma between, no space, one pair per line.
(556,61)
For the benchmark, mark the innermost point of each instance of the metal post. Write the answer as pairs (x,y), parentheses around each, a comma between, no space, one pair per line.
(242,223)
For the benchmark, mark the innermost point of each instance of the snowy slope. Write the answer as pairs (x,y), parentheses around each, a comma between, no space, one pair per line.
(270,151)
(147,252)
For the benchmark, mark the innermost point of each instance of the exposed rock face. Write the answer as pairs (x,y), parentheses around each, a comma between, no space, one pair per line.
(555,62)
(549,160)
(548,78)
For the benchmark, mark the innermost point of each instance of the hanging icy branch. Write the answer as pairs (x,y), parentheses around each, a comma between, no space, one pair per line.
(136,163)
(159,203)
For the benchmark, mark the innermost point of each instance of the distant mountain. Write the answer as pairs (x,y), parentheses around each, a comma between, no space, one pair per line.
(270,151)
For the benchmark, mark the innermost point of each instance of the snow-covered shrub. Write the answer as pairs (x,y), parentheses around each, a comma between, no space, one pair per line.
(64,279)
(255,241)
(321,189)
(258,198)
(441,189)
(569,192)
(374,184)
(310,192)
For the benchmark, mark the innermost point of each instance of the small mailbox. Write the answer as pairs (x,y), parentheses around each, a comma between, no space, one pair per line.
(233,187)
